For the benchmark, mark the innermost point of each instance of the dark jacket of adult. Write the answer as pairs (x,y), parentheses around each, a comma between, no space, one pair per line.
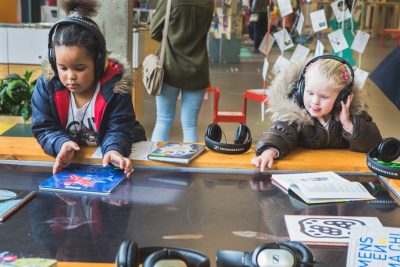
(293,126)
(116,124)
(186,56)
(259,6)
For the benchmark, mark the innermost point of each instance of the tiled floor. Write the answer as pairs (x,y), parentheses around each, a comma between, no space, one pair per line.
(233,79)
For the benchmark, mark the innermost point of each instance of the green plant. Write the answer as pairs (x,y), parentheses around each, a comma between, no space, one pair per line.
(15,95)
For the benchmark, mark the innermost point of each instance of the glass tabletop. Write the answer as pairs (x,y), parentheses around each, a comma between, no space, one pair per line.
(202,211)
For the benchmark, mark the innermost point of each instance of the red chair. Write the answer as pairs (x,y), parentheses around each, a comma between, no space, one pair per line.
(234,116)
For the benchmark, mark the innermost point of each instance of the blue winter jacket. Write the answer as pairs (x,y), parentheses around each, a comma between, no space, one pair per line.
(114,115)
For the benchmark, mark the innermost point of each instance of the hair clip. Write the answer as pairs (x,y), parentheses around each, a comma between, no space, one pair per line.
(344,73)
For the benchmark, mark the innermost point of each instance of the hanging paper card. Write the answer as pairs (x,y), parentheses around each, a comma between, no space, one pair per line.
(283,39)
(280,64)
(360,76)
(319,49)
(263,45)
(360,41)
(340,10)
(265,69)
(318,20)
(300,23)
(300,53)
(285,7)
(357,9)
(338,41)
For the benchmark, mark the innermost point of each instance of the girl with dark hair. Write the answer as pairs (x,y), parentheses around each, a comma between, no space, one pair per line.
(84,98)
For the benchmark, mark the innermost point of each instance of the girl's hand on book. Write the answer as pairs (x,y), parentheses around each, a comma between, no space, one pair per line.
(266,159)
(65,155)
(116,159)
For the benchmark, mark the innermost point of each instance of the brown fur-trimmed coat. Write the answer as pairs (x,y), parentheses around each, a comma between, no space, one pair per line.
(292,125)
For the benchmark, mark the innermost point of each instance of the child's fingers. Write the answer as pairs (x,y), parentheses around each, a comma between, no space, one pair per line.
(270,163)
(106,159)
(57,165)
(263,164)
(256,161)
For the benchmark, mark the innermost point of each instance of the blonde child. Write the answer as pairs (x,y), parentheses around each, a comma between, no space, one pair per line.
(84,98)
(316,106)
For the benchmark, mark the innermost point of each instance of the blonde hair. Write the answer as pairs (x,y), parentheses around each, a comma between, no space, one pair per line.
(333,71)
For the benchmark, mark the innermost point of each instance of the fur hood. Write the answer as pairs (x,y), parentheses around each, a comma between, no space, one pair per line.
(281,108)
(123,86)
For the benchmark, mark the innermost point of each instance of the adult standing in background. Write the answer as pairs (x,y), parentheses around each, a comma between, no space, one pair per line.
(185,64)
(258,22)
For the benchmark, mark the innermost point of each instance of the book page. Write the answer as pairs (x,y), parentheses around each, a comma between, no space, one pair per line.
(325,230)
(330,190)
(285,180)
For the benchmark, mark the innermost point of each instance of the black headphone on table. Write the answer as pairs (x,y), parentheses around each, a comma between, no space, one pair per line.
(241,142)
(379,159)
(298,92)
(88,24)
(288,254)
(130,255)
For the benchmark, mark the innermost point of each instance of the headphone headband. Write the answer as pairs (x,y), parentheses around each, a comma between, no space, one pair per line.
(86,23)
(379,159)
(89,25)
(298,92)
(242,140)
(295,253)
(130,255)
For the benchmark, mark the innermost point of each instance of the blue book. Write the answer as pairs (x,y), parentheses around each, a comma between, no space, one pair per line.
(85,179)
(177,152)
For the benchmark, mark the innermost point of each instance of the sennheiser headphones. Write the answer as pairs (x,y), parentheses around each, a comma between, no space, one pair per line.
(130,255)
(379,159)
(241,142)
(298,92)
(88,24)
(285,254)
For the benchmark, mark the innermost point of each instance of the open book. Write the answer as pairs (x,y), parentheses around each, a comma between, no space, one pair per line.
(320,187)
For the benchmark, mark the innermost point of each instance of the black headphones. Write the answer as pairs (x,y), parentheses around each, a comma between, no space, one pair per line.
(91,26)
(130,255)
(298,92)
(288,254)
(241,142)
(379,159)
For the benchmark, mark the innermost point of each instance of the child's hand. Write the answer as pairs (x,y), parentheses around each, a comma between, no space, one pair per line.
(344,115)
(65,155)
(265,159)
(116,159)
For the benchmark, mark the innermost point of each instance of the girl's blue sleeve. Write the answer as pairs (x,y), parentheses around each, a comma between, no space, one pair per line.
(46,126)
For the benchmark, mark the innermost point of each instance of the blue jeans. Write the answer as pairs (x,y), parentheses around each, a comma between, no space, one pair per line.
(166,107)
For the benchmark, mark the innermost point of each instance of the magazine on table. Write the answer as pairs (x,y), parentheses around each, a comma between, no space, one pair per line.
(85,179)
(320,187)
(374,247)
(177,152)
(325,230)
(11,200)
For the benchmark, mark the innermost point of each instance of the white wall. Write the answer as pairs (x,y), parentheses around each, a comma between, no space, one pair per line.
(27,45)
(3,45)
